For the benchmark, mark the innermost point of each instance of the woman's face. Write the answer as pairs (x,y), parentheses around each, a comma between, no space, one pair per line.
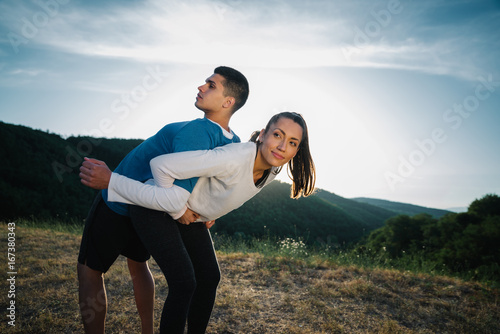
(281,142)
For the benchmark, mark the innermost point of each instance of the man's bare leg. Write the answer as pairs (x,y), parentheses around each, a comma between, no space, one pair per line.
(144,291)
(92,296)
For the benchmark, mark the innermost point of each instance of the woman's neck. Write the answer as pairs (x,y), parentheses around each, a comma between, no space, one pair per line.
(260,166)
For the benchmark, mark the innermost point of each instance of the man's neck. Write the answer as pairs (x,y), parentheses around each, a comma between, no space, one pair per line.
(222,121)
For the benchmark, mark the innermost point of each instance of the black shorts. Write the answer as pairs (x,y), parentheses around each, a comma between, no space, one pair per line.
(108,234)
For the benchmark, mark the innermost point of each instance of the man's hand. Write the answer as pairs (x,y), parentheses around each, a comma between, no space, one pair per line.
(188,217)
(209,224)
(95,174)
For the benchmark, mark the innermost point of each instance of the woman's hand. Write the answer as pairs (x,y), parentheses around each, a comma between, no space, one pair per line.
(209,224)
(188,217)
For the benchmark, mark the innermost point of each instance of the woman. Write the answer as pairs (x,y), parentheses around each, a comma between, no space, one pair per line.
(229,176)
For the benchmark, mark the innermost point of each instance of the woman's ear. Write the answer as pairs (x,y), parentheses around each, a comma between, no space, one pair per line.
(261,136)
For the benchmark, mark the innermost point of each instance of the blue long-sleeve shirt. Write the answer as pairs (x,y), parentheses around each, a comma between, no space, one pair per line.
(199,134)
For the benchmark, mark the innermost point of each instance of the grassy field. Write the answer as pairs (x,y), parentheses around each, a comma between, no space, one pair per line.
(258,294)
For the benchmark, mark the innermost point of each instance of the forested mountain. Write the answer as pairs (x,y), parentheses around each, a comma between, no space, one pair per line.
(312,218)
(367,213)
(39,178)
(402,208)
(39,173)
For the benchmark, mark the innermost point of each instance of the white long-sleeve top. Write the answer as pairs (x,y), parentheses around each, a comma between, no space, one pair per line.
(225,182)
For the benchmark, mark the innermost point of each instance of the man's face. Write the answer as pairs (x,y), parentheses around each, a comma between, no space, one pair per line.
(210,96)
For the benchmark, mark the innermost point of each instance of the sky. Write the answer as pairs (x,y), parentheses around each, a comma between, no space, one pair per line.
(401,98)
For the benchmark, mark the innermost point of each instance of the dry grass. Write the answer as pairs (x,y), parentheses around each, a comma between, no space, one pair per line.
(257,295)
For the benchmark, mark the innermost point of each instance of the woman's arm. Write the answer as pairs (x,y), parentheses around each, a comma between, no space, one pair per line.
(184,165)
(163,195)
(125,190)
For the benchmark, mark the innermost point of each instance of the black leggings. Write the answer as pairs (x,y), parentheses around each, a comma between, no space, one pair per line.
(186,256)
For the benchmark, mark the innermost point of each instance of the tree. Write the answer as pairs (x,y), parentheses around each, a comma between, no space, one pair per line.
(489,205)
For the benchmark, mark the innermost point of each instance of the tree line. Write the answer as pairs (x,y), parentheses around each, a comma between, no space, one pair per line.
(461,242)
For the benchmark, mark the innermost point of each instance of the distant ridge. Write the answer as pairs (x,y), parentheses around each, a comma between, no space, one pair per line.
(403,208)
(370,214)
(458,209)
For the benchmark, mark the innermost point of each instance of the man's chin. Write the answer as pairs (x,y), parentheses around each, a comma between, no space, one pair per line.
(197,105)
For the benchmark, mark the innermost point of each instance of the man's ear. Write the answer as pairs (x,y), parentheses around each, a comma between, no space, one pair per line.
(229,102)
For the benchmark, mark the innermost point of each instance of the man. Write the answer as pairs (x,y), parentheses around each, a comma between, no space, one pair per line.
(109,231)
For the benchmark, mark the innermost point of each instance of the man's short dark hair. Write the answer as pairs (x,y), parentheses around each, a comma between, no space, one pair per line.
(235,85)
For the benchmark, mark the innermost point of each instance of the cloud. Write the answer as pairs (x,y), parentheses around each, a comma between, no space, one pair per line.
(27,72)
(276,34)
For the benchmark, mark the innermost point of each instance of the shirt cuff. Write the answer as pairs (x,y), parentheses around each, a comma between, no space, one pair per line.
(180,213)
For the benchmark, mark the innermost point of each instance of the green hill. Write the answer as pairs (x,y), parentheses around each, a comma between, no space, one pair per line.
(402,208)
(39,176)
(370,214)
(313,218)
